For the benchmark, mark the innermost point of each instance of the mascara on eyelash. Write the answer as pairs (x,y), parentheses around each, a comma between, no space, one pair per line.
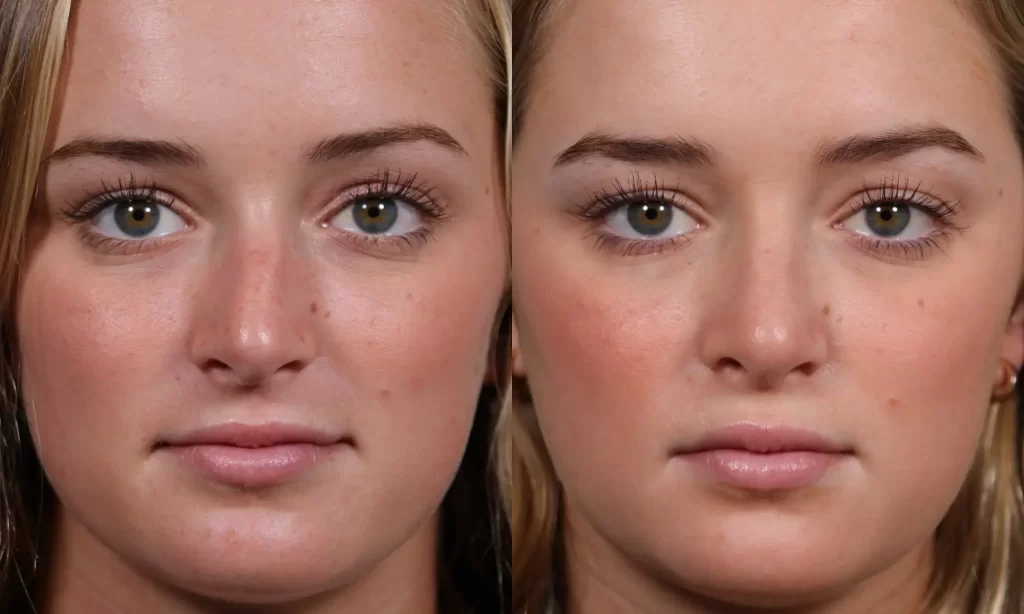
(85,208)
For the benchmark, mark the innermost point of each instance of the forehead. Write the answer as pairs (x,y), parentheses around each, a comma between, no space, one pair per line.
(828,67)
(293,68)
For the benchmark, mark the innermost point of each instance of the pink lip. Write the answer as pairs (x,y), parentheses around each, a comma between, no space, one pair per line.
(755,457)
(254,455)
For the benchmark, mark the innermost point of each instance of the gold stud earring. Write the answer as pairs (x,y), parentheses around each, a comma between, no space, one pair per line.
(1007,382)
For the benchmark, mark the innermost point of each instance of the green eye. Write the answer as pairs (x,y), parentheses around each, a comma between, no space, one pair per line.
(649,218)
(887,219)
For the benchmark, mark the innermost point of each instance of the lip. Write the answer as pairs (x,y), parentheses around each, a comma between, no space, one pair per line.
(764,458)
(254,455)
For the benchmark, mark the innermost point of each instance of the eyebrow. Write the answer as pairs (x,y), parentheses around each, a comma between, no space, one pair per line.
(677,150)
(895,143)
(146,151)
(694,152)
(350,144)
(142,151)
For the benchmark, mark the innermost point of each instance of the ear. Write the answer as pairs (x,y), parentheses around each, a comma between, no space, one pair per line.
(518,369)
(1013,339)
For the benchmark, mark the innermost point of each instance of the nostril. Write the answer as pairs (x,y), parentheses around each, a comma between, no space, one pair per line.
(728,365)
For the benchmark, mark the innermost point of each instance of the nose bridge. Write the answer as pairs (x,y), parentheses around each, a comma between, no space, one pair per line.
(768,322)
(250,319)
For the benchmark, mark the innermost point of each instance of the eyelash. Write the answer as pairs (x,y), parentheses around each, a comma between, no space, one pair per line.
(603,203)
(378,185)
(892,190)
(84,210)
(898,190)
(406,188)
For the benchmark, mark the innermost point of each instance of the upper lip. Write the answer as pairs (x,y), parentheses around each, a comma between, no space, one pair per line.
(256,436)
(762,439)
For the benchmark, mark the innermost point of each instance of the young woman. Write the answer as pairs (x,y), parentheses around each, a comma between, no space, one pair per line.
(253,265)
(767,261)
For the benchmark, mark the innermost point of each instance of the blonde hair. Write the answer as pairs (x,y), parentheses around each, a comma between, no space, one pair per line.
(33,38)
(979,564)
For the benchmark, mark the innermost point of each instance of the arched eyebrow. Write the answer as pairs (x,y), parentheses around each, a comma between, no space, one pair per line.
(694,152)
(147,151)
(894,144)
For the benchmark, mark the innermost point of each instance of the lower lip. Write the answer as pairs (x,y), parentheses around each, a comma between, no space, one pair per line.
(254,467)
(765,472)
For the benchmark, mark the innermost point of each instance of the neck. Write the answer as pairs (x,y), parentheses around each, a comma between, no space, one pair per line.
(600,579)
(86,577)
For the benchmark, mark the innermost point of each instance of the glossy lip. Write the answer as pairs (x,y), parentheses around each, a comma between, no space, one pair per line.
(254,455)
(256,436)
(764,458)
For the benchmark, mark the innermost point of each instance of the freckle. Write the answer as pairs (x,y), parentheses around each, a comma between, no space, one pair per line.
(826,310)
(302,338)
(327,315)
(312,307)
(408,296)
(839,319)
(894,403)
(920,303)
(385,394)
(1000,191)
(487,190)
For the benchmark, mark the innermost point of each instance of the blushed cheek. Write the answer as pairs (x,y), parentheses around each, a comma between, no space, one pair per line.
(599,358)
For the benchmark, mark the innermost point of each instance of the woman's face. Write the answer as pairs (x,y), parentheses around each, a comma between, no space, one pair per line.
(271,228)
(732,218)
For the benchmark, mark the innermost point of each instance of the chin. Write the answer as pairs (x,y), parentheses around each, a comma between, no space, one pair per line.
(774,565)
(257,579)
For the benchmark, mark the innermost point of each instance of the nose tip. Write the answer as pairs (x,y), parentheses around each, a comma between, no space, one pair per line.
(248,357)
(252,319)
(770,355)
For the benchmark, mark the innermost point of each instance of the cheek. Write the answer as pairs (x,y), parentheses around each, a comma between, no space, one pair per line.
(415,348)
(922,366)
(601,358)
(90,345)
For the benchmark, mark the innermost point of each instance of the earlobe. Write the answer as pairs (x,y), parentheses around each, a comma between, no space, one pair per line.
(1013,339)
(517,356)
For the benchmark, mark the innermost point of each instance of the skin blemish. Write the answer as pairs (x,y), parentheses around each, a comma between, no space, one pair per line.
(385,395)
(312,307)
(327,314)
(408,296)
(920,302)
(894,403)
(826,310)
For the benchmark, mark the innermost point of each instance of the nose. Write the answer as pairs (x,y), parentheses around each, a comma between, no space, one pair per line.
(764,325)
(252,321)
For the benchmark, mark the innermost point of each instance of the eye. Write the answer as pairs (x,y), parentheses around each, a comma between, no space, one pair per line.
(891,220)
(647,219)
(130,218)
(374,215)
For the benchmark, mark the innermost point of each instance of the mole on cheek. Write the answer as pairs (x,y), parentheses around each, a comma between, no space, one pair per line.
(826,310)
(312,307)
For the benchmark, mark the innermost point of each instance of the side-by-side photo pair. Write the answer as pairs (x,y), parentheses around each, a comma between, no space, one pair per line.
(511,307)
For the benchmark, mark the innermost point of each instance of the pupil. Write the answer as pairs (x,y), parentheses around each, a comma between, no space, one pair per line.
(376,215)
(136,218)
(649,218)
